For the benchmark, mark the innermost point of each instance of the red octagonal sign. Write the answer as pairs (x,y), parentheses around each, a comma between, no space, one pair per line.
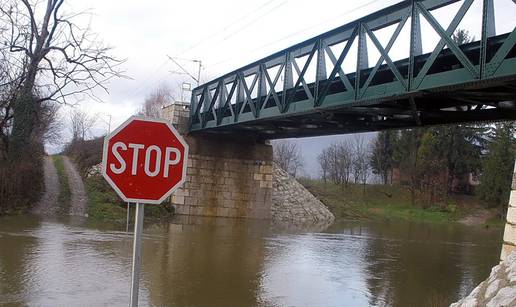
(144,160)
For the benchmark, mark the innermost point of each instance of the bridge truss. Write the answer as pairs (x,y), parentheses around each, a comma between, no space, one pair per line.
(304,90)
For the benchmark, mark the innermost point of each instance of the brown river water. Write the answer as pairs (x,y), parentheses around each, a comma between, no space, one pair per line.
(225,262)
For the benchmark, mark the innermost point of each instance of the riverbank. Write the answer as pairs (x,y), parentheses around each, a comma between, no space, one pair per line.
(380,202)
(105,205)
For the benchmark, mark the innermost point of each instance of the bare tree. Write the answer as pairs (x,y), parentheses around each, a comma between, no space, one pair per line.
(324,164)
(155,101)
(336,163)
(53,59)
(51,126)
(361,159)
(81,124)
(288,156)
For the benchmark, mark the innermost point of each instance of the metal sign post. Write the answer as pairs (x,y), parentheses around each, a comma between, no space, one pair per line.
(137,245)
(127,219)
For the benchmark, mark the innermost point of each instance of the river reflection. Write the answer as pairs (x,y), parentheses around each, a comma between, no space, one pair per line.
(225,262)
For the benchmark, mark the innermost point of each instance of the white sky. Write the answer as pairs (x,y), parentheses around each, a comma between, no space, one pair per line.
(224,35)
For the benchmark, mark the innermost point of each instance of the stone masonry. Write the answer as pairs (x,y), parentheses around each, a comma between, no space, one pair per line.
(498,290)
(293,203)
(227,177)
(232,177)
(509,237)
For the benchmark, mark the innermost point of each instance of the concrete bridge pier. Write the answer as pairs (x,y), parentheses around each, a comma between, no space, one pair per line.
(227,176)
(509,237)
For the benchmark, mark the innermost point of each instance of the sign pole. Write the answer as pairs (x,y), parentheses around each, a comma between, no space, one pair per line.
(127,219)
(135,277)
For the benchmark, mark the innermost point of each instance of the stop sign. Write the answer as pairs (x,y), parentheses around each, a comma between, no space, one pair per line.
(144,160)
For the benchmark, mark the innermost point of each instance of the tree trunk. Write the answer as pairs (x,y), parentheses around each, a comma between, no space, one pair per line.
(24,120)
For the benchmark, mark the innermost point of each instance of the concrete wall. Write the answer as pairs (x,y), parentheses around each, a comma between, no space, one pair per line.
(227,177)
(509,237)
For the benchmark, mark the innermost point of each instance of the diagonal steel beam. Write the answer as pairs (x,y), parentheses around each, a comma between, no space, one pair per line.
(272,84)
(248,99)
(342,75)
(337,68)
(446,35)
(227,102)
(303,82)
(501,54)
(384,55)
(300,78)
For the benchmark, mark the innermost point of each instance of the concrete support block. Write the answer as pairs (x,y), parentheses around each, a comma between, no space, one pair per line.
(226,176)
(507,249)
(178,199)
(512,200)
(511,215)
(509,235)
(223,211)
(180,209)
(266,169)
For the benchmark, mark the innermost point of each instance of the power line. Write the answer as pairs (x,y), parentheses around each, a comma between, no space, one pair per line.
(253,21)
(257,49)
(149,77)
(200,42)
(196,79)
(221,30)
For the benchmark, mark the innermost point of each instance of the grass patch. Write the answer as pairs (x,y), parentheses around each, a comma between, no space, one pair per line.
(377,202)
(105,205)
(65,195)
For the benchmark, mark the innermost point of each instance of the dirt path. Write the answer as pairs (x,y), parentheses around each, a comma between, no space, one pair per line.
(47,204)
(79,201)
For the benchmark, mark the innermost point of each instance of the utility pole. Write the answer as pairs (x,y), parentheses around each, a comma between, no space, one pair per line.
(108,122)
(198,79)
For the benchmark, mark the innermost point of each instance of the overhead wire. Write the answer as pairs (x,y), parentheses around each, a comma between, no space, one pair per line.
(210,37)
(200,42)
(219,31)
(304,30)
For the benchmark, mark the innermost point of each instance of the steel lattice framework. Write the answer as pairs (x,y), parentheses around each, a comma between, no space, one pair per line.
(275,97)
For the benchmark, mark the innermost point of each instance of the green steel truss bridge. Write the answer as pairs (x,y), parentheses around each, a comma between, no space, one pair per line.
(306,90)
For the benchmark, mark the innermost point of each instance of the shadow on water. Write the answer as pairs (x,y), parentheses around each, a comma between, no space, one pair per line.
(192,261)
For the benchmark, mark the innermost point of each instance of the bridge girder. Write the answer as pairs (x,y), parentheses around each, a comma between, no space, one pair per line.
(461,83)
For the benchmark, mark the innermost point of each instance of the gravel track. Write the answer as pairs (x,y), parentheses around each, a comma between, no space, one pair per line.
(79,201)
(47,204)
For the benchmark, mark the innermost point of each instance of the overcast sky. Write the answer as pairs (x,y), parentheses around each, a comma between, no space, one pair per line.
(224,35)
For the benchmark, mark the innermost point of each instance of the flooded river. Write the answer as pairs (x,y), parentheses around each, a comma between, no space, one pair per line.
(224,262)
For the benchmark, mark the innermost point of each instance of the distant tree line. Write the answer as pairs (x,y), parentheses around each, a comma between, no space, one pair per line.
(432,162)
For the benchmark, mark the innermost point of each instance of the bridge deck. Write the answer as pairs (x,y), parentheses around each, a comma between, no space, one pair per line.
(470,82)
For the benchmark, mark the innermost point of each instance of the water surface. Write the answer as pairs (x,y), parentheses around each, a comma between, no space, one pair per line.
(227,262)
